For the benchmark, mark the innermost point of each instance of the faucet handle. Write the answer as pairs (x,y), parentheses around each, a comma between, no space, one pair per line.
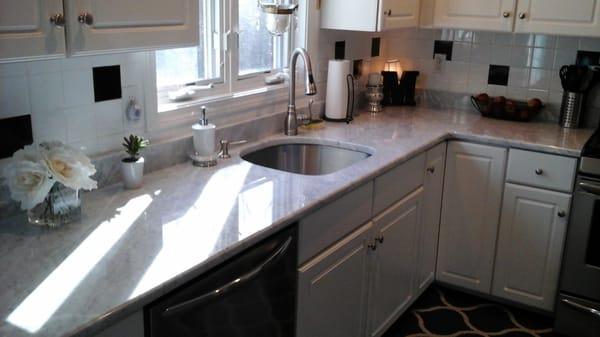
(224,151)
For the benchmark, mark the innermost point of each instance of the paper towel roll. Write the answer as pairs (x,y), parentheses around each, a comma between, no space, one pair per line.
(336,101)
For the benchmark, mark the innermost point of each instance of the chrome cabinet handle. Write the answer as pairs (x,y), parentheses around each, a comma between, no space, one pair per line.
(591,188)
(562,214)
(539,171)
(581,307)
(379,239)
(235,283)
(431,169)
(372,246)
(85,18)
(57,20)
(506,14)
(522,16)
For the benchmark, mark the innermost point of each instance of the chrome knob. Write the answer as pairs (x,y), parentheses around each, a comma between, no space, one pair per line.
(57,20)
(506,14)
(562,214)
(388,12)
(85,18)
(522,16)
(539,171)
(431,169)
(379,239)
(372,246)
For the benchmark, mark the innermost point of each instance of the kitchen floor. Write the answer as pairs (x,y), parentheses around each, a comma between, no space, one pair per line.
(445,312)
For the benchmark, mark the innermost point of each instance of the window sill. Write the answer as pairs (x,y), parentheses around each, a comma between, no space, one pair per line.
(166,107)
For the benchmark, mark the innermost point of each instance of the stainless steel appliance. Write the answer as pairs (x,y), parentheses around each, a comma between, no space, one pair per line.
(252,295)
(578,307)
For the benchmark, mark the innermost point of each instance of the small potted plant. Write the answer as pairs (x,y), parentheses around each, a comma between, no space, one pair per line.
(132,166)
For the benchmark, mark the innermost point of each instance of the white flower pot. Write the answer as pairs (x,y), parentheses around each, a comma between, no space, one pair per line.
(132,173)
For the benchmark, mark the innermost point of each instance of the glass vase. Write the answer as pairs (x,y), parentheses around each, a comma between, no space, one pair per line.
(61,206)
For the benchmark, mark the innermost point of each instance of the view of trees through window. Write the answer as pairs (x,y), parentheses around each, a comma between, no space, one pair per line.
(256,43)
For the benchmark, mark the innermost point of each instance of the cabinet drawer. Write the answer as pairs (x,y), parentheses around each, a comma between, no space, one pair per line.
(398,182)
(541,170)
(331,223)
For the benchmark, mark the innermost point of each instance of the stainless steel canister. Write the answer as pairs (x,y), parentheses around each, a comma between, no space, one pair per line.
(571,109)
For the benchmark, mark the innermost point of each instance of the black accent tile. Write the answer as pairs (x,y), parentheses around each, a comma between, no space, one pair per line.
(375,46)
(443,47)
(16,133)
(340,50)
(443,321)
(498,75)
(107,83)
(357,66)
(587,58)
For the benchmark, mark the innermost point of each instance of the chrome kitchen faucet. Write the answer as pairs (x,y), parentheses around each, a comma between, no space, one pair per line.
(291,121)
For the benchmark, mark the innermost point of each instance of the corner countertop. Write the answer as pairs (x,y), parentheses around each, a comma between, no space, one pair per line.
(131,247)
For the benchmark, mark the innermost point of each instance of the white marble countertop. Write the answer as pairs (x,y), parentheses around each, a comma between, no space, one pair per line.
(133,246)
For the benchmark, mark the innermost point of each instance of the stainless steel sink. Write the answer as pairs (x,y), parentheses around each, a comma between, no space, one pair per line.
(306,158)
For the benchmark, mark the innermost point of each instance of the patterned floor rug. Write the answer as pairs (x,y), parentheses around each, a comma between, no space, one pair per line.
(442,312)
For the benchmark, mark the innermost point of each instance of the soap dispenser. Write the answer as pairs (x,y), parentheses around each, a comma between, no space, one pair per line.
(203,134)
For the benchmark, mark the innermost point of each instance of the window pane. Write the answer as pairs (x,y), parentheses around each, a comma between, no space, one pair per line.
(183,65)
(256,43)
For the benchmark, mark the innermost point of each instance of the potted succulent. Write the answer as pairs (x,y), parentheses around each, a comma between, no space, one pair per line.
(132,166)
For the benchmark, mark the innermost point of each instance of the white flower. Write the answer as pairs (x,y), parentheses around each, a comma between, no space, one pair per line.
(28,177)
(69,166)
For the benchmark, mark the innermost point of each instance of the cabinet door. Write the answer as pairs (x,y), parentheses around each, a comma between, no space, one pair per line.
(26,32)
(122,25)
(432,208)
(530,245)
(332,289)
(394,262)
(497,15)
(470,212)
(573,17)
(398,14)
(360,15)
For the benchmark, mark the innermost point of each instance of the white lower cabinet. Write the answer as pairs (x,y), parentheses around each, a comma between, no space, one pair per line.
(332,289)
(470,212)
(394,262)
(530,245)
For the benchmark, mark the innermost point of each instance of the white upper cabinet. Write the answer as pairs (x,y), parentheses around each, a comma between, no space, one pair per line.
(122,25)
(369,15)
(470,213)
(530,245)
(572,17)
(26,30)
(475,14)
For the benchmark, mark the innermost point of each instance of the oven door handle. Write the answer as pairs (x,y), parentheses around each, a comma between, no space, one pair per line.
(589,187)
(581,307)
(231,285)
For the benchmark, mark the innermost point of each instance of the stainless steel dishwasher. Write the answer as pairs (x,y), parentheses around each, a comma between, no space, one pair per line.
(253,294)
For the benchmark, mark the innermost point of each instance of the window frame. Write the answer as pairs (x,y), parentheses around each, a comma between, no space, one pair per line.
(226,42)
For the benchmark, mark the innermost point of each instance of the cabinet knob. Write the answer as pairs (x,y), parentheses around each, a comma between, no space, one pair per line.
(562,214)
(539,171)
(388,12)
(522,16)
(57,20)
(431,169)
(85,18)
(379,239)
(372,246)
(506,14)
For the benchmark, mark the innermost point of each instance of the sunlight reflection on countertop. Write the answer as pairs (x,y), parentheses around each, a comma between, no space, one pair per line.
(131,247)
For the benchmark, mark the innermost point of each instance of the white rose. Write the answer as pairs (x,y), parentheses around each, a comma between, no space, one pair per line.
(69,166)
(28,182)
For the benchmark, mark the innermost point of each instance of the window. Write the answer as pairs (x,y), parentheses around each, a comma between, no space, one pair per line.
(223,64)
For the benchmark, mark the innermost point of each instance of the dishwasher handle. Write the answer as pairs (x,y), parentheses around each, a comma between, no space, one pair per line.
(590,187)
(229,286)
(581,307)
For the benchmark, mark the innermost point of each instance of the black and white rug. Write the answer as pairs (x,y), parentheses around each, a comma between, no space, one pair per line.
(442,312)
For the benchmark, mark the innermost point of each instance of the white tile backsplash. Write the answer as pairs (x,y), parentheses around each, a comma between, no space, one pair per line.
(78,88)
(46,91)
(14,96)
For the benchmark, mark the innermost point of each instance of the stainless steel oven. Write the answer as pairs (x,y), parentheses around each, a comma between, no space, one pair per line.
(578,307)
